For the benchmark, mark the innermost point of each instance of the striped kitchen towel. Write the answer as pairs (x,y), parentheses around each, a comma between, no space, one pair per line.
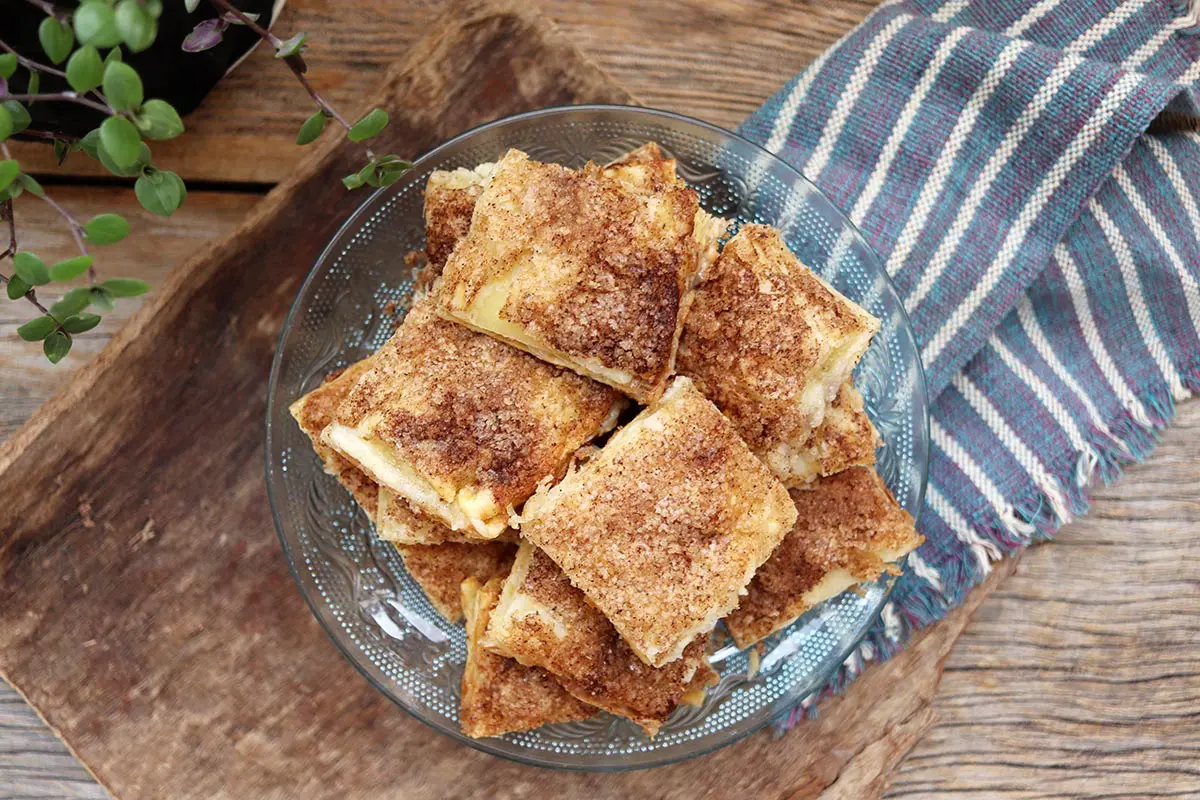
(995,153)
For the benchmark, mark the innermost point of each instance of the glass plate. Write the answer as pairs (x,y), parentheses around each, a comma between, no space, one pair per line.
(356,584)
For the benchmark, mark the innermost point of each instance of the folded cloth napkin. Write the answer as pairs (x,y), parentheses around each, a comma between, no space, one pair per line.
(1047,247)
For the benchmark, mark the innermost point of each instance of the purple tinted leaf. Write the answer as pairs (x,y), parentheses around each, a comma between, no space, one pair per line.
(205,36)
(3,87)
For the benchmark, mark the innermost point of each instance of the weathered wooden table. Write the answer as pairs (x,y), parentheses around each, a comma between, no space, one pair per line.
(1079,675)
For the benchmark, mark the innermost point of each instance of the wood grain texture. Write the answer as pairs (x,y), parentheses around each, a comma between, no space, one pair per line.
(1080,677)
(1078,680)
(714,59)
(26,379)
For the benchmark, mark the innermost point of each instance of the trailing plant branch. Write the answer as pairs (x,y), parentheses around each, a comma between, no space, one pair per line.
(68,96)
(77,232)
(8,216)
(29,63)
(74,40)
(294,60)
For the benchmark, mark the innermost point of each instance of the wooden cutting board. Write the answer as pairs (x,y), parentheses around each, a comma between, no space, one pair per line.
(145,607)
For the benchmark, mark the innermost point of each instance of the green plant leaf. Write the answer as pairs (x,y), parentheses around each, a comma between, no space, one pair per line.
(122,85)
(71,303)
(375,120)
(178,183)
(37,329)
(120,139)
(125,287)
(61,149)
(13,191)
(370,174)
(352,181)
(191,5)
(158,193)
(85,70)
(90,143)
(35,83)
(56,346)
(311,128)
(71,268)
(391,168)
(113,55)
(133,170)
(8,65)
(106,229)
(96,24)
(16,287)
(31,185)
(136,25)
(9,169)
(20,115)
(153,7)
(6,124)
(57,40)
(81,323)
(158,120)
(388,178)
(102,298)
(292,47)
(31,269)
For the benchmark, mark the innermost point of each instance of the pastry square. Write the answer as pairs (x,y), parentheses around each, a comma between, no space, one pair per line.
(314,411)
(450,197)
(499,695)
(542,620)
(771,343)
(666,525)
(462,426)
(849,530)
(579,268)
(440,569)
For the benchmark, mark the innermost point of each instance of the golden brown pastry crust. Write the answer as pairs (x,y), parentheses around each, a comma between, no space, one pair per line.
(499,695)
(665,526)
(466,411)
(314,411)
(440,569)
(845,522)
(609,268)
(770,343)
(542,620)
(450,197)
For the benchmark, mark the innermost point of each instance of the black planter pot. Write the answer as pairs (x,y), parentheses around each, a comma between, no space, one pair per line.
(182,79)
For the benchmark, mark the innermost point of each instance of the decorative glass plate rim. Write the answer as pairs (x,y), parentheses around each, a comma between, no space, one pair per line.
(483,745)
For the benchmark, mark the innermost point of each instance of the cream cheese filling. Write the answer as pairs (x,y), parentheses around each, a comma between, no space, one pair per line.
(462,508)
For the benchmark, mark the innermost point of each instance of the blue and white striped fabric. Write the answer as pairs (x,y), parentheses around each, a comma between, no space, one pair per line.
(996,155)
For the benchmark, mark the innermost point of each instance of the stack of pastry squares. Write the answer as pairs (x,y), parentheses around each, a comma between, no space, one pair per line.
(600,433)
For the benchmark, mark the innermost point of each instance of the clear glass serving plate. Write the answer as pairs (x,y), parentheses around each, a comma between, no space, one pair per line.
(356,584)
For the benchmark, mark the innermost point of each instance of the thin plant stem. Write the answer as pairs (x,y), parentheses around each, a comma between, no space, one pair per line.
(50,136)
(49,9)
(76,231)
(29,63)
(69,97)
(295,63)
(7,215)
